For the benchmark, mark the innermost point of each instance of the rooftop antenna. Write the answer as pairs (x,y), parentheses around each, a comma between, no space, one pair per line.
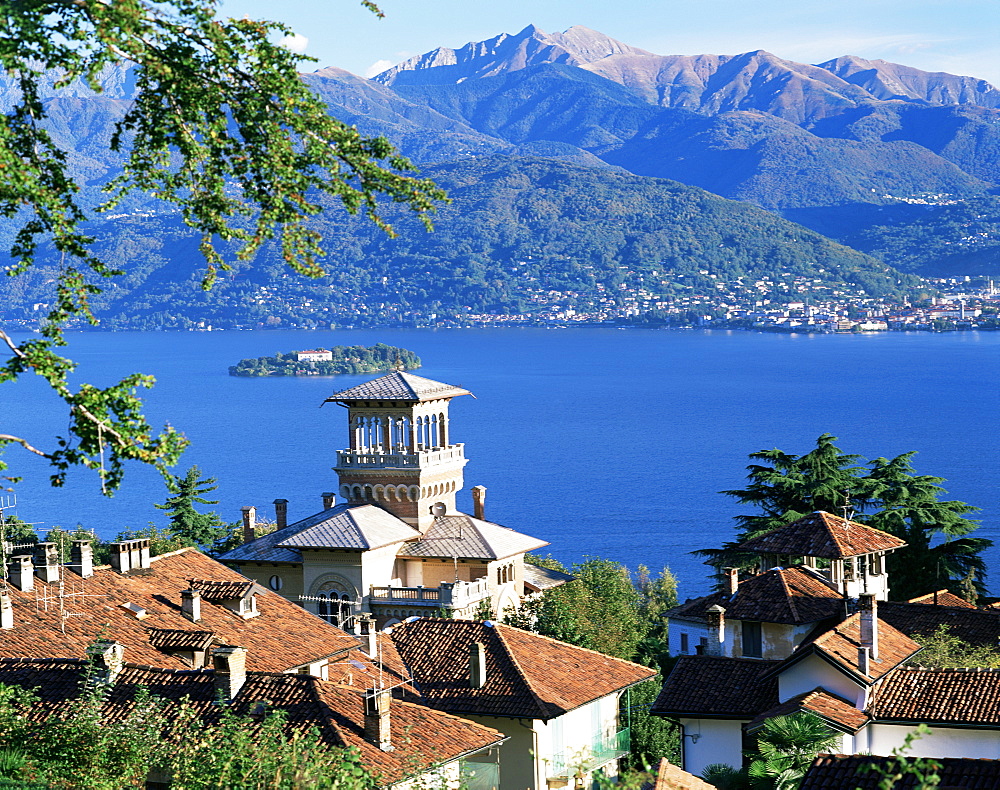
(848,512)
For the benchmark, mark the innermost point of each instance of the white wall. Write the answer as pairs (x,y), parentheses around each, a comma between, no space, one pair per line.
(942,742)
(812,672)
(708,741)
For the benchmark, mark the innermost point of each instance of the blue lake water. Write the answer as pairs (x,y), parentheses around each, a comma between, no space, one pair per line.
(607,443)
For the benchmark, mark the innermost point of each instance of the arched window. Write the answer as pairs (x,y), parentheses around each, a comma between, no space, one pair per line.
(335,606)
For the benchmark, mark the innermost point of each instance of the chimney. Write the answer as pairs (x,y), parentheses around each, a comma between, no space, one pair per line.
(249,523)
(716,617)
(191,605)
(732,580)
(377,728)
(139,553)
(863,660)
(477,665)
(869,623)
(47,562)
(280,513)
(120,557)
(230,671)
(368,633)
(479,502)
(6,611)
(329,500)
(107,658)
(81,558)
(20,572)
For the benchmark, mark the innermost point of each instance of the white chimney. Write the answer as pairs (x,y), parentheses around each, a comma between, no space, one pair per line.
(191,605)
(81,558)
(107,658)
(869,623)
(47,562)
(230,665)
(21,573)
(477,665)
(6,611)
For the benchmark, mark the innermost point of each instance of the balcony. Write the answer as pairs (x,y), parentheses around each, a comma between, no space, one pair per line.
(602,751)
(454,595)
(362,459)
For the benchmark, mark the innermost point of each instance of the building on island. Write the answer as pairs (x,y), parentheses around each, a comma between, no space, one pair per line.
(396,546)
(314,355)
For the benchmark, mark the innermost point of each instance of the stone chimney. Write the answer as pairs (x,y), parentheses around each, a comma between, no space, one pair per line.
(280,513)
(479,502)
(21,573)
(869,623)
(377,718)
(329,500)
(81,558)
(108,658)
(121,557)
(6,611)
(47,562)
(230,665)
(249,523)
(191,605)
(732,580)
(477,665)
(716,617)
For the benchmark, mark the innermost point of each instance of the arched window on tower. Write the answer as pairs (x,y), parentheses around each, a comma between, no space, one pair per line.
(336,607)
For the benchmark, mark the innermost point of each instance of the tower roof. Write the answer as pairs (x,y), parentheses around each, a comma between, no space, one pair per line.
(821,534)
(459,535)
(398,386)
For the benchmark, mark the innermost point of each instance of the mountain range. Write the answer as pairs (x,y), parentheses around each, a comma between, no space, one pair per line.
(866,152)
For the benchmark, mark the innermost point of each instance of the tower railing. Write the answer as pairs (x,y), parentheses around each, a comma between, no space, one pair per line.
(364,459)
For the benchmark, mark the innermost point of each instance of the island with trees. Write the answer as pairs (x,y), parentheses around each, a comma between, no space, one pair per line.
(329,362)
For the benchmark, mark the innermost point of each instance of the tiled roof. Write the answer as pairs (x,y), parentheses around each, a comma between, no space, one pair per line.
(781,595)
(348,526)
(217,591)
(174,639)
(710,686)
(840,771)
(282,636)
(398,386)
(956,696)
(537,578)
(943,598)
(975,626)
(267,548)
(821,534)
(466,537)
(841,644)
(527,675)
(421,737)
(832,709)
(670,777)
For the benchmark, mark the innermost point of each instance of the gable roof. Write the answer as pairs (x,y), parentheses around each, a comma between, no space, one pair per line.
(942,598)
(791,596)
(421,737)
(838,713)
(527,675)
(821,534)
(463,536)
(715,687)
(975,626)
(840,645)
(398,386)
(835,771)
(670,777)
(939,696)
(283,635)
(345,526)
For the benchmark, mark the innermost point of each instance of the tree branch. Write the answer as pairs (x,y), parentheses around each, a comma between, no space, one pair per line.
(6,437)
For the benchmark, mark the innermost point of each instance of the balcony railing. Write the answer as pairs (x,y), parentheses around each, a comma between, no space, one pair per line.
(602,751)
(362,459)
(456,595)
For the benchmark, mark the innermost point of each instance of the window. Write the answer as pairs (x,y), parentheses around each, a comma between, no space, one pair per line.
(752,647)
(275,583)
(684,643)
(336,608)
(849,574)
(874,564)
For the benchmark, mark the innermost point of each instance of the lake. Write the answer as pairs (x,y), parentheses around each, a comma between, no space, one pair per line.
(611,443)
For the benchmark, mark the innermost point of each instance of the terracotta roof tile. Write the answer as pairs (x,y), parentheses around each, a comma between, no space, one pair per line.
(421,737)
(957,696)
(670,777)
(975,626)
(821,534)
(217,591)
(841,644)
(710,686)
(176,639)
(282,636)
(527,675)
(781,595)
(943,598)
(840,771)
(398,386)
(829,707)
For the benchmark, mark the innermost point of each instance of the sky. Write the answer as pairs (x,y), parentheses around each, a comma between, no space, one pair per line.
(956,36)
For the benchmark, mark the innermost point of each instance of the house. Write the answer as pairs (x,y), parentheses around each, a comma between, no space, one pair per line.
(867,772)
(169,611)
(400,743)
(396,546)
(815,632)
(314,355)
(559,705)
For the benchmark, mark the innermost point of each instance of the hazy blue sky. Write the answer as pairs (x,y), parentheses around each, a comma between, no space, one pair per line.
(958,36)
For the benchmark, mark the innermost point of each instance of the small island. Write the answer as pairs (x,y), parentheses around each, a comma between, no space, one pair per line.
(329,362)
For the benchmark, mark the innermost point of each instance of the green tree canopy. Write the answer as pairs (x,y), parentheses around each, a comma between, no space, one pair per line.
(885,494)
(221,127)
(198,529)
